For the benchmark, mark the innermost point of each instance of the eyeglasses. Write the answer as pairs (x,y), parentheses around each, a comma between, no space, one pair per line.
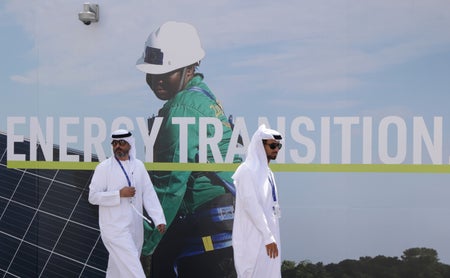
(273,146)
(120,142)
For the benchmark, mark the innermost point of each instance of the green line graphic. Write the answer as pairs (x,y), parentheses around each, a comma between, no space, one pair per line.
(230,167)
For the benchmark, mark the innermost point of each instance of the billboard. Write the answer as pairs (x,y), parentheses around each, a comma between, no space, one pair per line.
(358,89)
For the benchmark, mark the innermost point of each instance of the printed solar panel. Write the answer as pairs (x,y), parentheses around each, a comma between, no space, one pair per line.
(47,226)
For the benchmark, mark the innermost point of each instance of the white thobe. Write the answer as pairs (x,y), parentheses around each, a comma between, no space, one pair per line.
(121,227)
(256,224)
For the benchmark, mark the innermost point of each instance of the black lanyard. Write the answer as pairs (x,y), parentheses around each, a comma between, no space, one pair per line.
(125,172)
(274,194)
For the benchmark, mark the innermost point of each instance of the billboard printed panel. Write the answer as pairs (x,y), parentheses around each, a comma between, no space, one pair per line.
(358,89)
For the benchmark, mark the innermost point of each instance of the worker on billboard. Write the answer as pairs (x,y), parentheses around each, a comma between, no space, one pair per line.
(198,205)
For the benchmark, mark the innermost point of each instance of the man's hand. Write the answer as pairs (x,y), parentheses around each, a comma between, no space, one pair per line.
(127,191)
(161,228)
(272,250)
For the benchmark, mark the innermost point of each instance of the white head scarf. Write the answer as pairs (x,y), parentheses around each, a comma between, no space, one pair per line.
(256,159)
(123,134)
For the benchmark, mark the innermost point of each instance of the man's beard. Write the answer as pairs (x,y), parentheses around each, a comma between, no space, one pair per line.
(119,153)
(272,157)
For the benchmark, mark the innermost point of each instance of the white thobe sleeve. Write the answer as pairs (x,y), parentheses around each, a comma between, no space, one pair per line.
(247,191)
(151,201)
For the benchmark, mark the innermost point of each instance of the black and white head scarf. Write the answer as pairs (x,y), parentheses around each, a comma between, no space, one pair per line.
(123,134)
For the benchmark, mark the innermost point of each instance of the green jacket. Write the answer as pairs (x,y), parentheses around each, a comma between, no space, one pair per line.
(184,191)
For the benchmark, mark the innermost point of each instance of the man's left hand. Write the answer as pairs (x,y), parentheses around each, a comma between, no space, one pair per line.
(272,250)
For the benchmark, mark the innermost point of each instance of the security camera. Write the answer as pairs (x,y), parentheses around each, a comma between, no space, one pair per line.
(89,13)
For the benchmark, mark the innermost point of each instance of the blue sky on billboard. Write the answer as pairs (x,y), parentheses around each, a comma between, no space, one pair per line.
(314,57)
(263,58)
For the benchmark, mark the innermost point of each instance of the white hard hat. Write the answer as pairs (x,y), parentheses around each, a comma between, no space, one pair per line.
(172,46)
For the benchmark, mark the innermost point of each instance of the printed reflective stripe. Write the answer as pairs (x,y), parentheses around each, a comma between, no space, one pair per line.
(197,246)
(222,213)
(219,214)
(207,243)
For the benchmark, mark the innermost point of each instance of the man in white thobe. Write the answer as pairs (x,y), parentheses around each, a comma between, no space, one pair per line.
(256,232)
(121,187)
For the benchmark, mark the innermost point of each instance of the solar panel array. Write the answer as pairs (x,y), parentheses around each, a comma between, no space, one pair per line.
(47,226)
